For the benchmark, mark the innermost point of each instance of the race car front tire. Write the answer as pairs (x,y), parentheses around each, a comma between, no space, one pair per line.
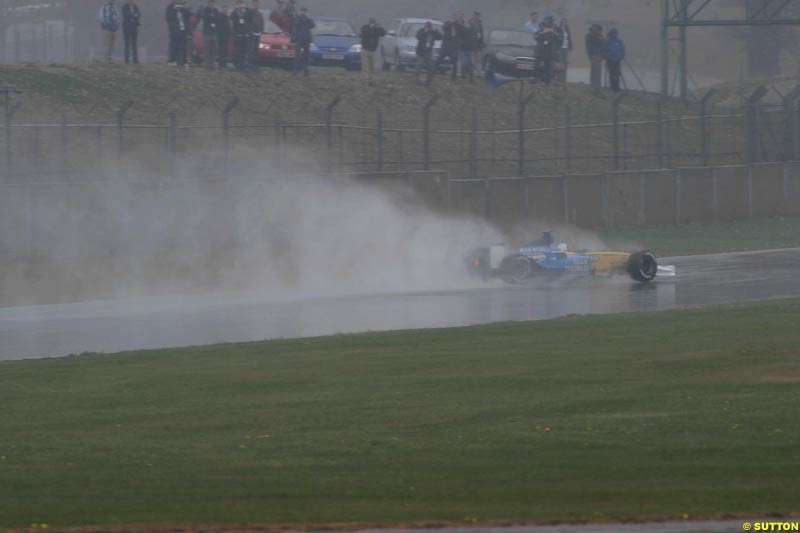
(643,266)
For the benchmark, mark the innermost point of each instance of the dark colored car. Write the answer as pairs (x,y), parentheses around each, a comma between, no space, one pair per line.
(512,53)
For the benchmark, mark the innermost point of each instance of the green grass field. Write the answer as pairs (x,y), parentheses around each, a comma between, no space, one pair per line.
(692,239)
(618,417)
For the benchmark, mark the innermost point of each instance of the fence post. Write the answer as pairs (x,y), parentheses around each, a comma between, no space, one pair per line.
(120,127)
(426,129)
(379,140)
(494,142)
(64,138)
(751,123)
(615,118)
(749,192)
(473,145)
(789,121)
(660,131)
(704,127)
(642,199)
(523,104)
(172,141)
(99,139)
(9,113)
(329,127)
(714,196)
(678,195)
(226,131)
(787,192)
(568,139)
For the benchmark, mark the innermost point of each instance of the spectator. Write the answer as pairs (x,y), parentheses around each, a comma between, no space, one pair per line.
(615,55)
(280,17)
(178,25)
(452,34)
(224,36)
(596,48)
(109,23)
(212,20)
(183,15)
(242,24)
(469,43)
(566,47)
(371,34)
(533,24)
(548,45)
(290,12)
(426,41)
(255,36)
(480,42)
(302,38)
(169,17)
(130,31)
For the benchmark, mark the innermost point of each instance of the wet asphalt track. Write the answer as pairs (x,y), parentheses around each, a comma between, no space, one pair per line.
(57,330)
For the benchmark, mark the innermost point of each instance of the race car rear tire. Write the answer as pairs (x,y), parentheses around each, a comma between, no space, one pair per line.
(516,270)
(643,266)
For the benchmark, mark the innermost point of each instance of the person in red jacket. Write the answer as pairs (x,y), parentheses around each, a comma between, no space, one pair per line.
(280,16)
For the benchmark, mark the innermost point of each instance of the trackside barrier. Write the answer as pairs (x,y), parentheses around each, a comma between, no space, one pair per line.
(701,195)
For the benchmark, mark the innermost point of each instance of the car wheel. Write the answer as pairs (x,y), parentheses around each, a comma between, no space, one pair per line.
(397,65)
(385,65)
(516,269)
(643,266)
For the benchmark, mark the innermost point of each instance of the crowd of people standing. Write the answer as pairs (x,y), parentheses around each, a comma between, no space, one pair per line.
(462,40)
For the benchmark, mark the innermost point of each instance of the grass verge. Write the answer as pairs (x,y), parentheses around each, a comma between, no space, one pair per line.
(625,417)
(692,239)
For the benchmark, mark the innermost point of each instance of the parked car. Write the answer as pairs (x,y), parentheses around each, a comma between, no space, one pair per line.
(275,48)
(399,45)
(511,53)
(336,43)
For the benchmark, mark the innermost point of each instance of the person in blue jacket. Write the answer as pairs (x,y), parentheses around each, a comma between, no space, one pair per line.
(615,55)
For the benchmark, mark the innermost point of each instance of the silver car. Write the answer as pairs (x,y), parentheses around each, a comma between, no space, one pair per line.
(399,45)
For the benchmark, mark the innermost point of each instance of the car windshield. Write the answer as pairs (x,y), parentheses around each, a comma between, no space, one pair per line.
(338,28)
(512,38)
(271,27)
(411,29)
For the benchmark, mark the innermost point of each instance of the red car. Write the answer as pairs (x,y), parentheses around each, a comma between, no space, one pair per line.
(275,47)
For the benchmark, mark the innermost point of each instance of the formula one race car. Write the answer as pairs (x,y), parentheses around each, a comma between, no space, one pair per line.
(541,259)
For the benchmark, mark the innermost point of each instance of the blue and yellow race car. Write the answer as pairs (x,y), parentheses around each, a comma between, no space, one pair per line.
(542,260)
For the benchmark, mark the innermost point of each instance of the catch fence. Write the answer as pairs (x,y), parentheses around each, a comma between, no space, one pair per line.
(478,142)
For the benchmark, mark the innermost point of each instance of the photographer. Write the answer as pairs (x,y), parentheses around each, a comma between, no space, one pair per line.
(256,29)
(426,41)
(548,43)
(371,34)
(130,31)
(242,19)
(302,38)
(212,20)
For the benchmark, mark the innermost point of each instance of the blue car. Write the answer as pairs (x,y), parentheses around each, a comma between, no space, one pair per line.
(336,44)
